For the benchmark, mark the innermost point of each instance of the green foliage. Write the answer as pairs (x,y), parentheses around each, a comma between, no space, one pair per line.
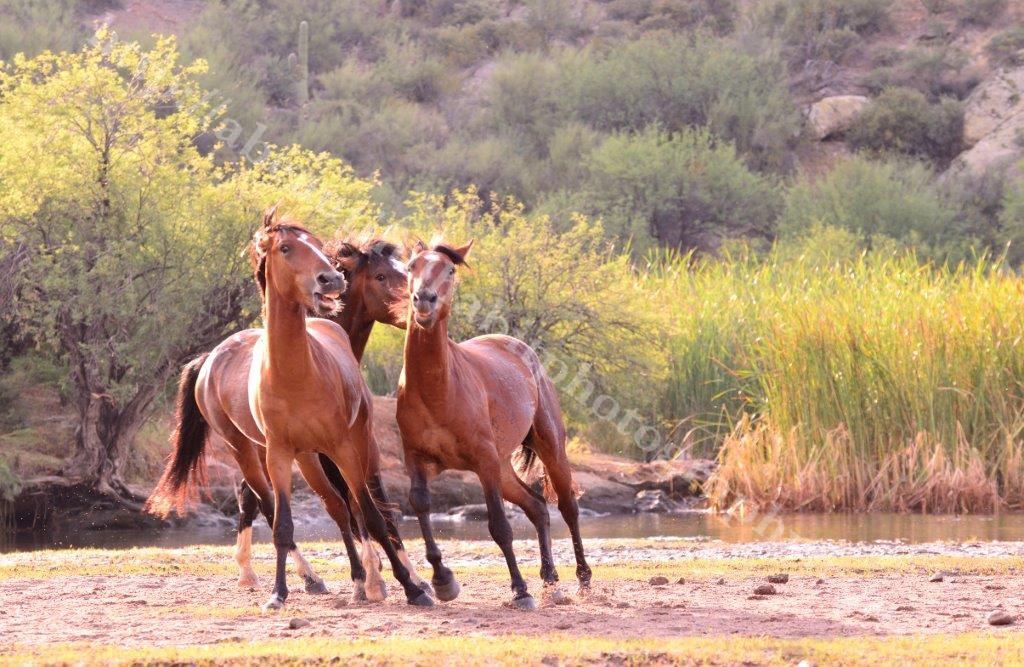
(34,26)
(1007,48)
(980,12)
(880,348)
(903,120)
(881,203)
(134,236)
(685,82)
(684,190)
(935,71)
(816,29)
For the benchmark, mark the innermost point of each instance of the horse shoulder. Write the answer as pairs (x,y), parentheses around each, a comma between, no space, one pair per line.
(334,359)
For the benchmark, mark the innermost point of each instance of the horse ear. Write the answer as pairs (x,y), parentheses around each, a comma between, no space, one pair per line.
(464,250)
(419,247)
(270,215)
(348,256)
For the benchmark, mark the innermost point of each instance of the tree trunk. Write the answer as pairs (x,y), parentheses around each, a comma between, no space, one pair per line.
(103,441)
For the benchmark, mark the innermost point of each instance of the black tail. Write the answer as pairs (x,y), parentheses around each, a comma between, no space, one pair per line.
(526,463)
(186,466)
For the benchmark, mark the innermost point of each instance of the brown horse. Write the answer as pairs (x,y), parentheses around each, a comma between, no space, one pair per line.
(375,279)
(471,406)
(305,396)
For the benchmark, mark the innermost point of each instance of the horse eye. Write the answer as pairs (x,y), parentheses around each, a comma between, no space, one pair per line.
(451,271)
(380,277)
(286,249)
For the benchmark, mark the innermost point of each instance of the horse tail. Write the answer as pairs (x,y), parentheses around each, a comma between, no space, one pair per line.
(528,465)
(186,465)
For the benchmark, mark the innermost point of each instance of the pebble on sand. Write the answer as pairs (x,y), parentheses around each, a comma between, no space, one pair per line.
(781,578)
(721,581)
(681,580)
(297,623)
(938,577)
(764,589)
(658,581)
(1000,617)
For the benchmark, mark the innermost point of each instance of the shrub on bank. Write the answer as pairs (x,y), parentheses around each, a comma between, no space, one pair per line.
(902,120)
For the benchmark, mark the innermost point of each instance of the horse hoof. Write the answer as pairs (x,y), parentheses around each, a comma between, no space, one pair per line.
(251,583)
(376,592)
(315,586)
(554,595)
(359,592)
(525,603)
(422,600)
(426,588)
(275,603)
(447,592)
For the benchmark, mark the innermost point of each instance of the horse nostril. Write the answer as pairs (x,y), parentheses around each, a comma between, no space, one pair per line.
(432,298)
(324,279)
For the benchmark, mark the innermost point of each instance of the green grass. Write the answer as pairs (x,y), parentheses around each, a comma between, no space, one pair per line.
(667,558)
(516,650)
(863,383)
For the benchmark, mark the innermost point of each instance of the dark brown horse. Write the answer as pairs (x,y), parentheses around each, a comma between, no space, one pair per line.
(376,280)
(303,397)
(471,406)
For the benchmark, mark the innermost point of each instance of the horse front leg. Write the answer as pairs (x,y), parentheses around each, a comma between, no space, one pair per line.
(279,469)
(445,586)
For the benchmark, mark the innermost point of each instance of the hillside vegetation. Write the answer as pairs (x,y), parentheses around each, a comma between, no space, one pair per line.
(834,316)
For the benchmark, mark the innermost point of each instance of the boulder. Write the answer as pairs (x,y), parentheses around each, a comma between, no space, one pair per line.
(678,478)
(999,151)
(834,115)
(997,99)
(654,500)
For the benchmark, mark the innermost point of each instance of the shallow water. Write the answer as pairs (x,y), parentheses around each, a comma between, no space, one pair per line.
(907,528)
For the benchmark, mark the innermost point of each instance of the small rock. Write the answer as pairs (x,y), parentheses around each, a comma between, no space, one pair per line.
(805,663)
(681,580)
(904,607)
(994,587)
(297,623)
(654,500)
(340,603)
(658,581)
(819,582)
(622,605)
(721,581)
(938,577)
(1000,617)
(781,578)
(764,589)
(564,625)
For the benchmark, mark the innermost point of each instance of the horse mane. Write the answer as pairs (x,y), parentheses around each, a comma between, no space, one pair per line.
(451,253)
(260,241)
(360,248)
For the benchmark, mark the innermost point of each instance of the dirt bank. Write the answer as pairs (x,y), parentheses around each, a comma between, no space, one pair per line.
(188,598)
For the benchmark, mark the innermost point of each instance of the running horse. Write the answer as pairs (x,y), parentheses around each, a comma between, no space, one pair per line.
(472,406)
(376,281)
(303,397)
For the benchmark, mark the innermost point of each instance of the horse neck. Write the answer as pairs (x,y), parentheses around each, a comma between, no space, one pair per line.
(288,353)
(357,323)
(427,358)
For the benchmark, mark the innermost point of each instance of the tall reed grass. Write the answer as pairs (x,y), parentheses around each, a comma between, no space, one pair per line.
(868,383)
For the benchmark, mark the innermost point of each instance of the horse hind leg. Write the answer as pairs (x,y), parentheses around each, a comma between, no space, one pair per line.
(548,441)
(533,504)
(248,507)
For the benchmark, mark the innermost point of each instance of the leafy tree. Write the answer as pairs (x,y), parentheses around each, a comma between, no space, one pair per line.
(132,237)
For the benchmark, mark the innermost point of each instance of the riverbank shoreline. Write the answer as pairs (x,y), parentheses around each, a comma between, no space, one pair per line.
(663,600)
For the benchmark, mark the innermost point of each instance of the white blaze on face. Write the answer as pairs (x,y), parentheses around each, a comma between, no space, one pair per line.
(398,266)
(433,274)
(304,238)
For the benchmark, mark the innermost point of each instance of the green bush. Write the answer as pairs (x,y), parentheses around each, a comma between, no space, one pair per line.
(902,120)
(1007,48)
(687,82)
(816,29)
(935,71)
(684,190)
(34,26)
(980,12)
(887,202)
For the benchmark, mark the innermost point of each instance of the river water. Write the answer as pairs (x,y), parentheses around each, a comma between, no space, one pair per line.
(908,528)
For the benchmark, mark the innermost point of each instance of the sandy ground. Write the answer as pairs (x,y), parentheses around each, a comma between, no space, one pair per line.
(834,590)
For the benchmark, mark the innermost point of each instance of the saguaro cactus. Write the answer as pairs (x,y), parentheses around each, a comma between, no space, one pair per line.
(300,65)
